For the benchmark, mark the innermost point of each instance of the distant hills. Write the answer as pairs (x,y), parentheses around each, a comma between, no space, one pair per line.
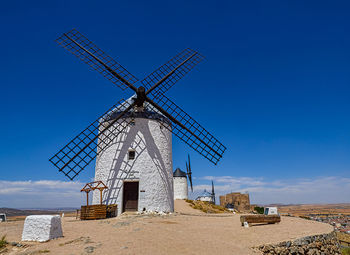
(345,205)
(24,212)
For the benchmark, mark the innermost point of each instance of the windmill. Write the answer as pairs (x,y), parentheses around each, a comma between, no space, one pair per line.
(207,196)
(134,136)
(180,181)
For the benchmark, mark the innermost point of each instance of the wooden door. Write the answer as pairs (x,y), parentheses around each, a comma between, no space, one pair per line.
(130,196)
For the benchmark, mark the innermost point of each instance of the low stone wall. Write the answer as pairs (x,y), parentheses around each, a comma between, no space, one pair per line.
(326,244)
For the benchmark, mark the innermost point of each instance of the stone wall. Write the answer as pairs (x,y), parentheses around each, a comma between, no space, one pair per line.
(240,201)
(326,244)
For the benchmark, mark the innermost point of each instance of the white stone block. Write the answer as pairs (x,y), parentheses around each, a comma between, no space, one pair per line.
(41,228)
(246,224)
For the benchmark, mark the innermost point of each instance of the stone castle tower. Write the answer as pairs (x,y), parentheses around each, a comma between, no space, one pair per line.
(239,201)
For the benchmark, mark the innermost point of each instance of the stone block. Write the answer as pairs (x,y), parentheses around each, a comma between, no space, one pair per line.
(41,228)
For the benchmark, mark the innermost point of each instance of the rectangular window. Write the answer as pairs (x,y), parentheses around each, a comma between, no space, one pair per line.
(131,154)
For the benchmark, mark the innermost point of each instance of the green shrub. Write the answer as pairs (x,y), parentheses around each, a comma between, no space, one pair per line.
(259,209)
(3,241)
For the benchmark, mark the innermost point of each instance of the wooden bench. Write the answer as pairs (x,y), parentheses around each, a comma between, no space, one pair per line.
(260,218)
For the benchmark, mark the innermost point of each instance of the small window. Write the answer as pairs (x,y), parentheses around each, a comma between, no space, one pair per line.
(131,154)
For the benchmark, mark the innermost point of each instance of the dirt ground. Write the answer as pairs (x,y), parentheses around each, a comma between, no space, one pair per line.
(187,231)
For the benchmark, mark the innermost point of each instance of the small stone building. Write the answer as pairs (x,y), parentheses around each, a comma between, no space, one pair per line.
(239,201)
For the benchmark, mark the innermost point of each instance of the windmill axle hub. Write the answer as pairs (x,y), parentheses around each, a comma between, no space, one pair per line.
(141,96)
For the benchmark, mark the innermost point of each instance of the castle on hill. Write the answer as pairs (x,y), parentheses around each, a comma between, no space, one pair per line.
(239,201)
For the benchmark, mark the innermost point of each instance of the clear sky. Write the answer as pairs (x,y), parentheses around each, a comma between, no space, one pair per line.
(274,88)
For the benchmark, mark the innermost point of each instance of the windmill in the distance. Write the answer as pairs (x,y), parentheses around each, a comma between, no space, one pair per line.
(180,181)
(132,140)
(207,196)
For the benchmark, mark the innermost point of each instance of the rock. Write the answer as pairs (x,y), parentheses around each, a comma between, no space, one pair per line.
(87,240)
(41,228)
(267,249)
(311,252)
(89,249)
(293,250)
(325,244)
(301,250)
(285,252)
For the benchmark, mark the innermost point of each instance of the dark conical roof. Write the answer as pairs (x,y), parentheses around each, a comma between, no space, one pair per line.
(179,173)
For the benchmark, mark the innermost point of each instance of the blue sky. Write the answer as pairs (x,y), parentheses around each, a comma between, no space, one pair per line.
(274,88)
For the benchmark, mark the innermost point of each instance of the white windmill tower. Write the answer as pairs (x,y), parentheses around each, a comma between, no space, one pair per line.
(180,184)
(137,165)
(132,140)
(180,181)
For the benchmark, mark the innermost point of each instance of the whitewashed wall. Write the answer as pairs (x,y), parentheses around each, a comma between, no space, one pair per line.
(152,167)
(180,188)
(206,199)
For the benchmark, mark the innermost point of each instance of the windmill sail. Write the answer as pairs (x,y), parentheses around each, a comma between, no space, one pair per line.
(80,151)
(189,130)
(189,171)
(89,53)
(188,58)
(83,148)
(212,191)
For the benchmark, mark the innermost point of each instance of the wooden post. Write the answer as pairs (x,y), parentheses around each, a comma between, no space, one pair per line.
(87,198)
(100,196)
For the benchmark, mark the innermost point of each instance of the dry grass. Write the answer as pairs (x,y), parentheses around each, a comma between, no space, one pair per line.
(3,244)
(206,206)
(168,222)
(16,218)
(44,251)
(3,241)
(343,237)
(345,251)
